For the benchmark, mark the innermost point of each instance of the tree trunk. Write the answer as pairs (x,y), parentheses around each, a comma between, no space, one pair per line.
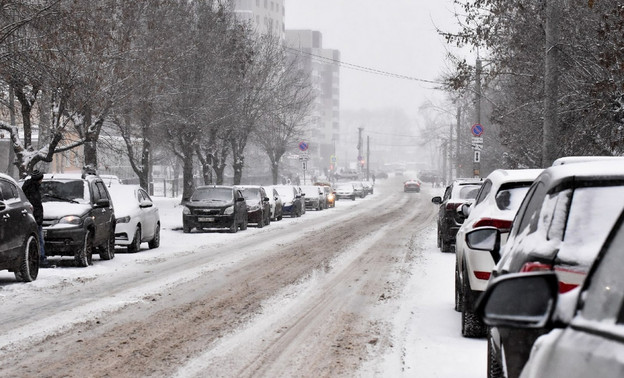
(275,172)
(551,85)
(238,170)
(187,176)
(90,145)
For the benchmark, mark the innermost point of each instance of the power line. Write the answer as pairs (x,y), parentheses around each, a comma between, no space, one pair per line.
(363,68)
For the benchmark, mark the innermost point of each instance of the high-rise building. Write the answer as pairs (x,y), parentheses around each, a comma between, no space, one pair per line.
(266,15)
(322,66)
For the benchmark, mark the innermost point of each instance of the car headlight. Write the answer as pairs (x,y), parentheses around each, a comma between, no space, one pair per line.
(71,219)
(254,207)
(229,210)
(125,219)
(186,210)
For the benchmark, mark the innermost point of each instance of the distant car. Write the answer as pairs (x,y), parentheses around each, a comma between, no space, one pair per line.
(290,200)
(330,196)
(369,187)
(275,200)
(360,191)
(496,205)
(111,180)
(314,197)
(584,326)
(78,217)
(345,190)
(215,206)
(301,198)
(137,218)
(19,249)
(258,204)
(459,192)
(412,185)
(560,226)
(381,175)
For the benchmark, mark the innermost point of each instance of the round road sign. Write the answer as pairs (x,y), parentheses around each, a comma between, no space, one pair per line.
(303,146)
(476,129)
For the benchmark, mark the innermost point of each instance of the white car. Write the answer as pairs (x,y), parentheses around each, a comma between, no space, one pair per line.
(137,218)
(275,200)
(496,205)
(345,190)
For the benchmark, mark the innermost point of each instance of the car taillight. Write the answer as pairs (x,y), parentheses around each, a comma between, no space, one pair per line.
(453,205)
(541,267)
(501,224)
(482,275)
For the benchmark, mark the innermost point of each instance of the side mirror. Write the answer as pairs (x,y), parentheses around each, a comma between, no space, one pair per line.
(464,209)
(102,203)
(240,199)
(437,200)
(519,300)
(485,239)
(145,204)
(266,199)
(3,206)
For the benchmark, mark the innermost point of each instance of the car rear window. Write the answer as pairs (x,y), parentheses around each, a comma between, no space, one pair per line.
(468,192)
(510,196)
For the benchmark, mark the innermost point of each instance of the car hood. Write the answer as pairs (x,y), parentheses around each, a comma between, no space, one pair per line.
(57,210)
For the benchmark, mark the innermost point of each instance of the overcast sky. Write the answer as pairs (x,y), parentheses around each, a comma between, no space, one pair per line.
(395,36)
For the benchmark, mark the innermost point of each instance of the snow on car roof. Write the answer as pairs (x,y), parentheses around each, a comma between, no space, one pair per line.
(582,159)
(511,175)
(587,169)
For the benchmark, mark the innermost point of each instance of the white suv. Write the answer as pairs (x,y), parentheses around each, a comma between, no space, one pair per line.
(496,205)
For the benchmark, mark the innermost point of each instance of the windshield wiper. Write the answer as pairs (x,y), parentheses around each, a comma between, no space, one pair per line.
(61,198)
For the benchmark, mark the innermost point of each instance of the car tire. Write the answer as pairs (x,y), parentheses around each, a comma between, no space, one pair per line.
(472,325)
(494,366)
(268,220)
(107,251)
(27,267)
(458,296)
(84,254)
(261,221)
(244,225)
(155,242)
(234,227)
(353,198)
(135,246)
(445,245)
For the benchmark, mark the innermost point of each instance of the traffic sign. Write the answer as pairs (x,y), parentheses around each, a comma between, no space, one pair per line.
(333,159)
(303,146)
(477,156)
(304,165)
(476,129)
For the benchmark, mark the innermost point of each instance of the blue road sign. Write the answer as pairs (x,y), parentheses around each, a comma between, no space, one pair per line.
(476,129)
(303,146)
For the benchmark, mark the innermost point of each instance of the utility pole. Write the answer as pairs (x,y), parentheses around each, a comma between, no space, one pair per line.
(457,145)
(551,84)
(12,113)
(359,147)
(367,157)
(476,162)
(450,165)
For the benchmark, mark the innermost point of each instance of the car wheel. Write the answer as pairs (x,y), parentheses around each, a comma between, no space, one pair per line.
(458,302)
(260,221)
(439,238)
(494,366)
(353,198)
(107,251)
(268,220)
(155,242)
(84,255)
(244,225)
(472,325)
(135,246)
(27,267)
(234,227)
(446,245)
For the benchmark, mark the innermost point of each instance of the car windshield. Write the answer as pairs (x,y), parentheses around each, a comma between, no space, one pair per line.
(251,193)
(285,192)
(468,191)
(310,190)
(67,191)
(212,194)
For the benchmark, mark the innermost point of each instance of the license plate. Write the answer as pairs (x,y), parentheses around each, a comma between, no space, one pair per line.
(202,219)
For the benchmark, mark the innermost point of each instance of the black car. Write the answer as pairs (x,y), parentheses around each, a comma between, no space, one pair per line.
(215,207)
(19,233)
(460,191)
(560,226)
(78,217)
(258,205)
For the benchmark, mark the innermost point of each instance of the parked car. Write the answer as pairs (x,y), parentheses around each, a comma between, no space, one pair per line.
(345,190)
(275,200)
(584,326)
(314,197)
(111,180)
(560,226)
(459,192)
(137,218)
(290,200)
(19,250)
(215,206)
(369,187)
(412,185)
(496,205)
(258,205)
(301,198)
(78,217)
(360,191)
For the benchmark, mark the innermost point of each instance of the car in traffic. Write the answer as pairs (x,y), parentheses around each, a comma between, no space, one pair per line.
(258,204)
(459,192)
(495,205)
(345,190)
(369,187)
(215,206)
(275,201)
(583,327)
(19,233)
(137,217)
(314,197)
(412,185)
(78,217)
(359,188)
(560,226)
(330,196)
(291,200)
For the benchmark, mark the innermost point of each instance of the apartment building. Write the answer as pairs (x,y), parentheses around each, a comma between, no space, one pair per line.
(266,15)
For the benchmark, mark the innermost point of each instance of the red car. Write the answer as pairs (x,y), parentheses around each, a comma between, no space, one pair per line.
(412,186)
